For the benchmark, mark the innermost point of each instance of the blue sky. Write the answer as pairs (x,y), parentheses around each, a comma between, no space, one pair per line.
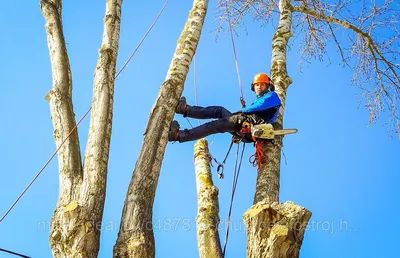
(345,172)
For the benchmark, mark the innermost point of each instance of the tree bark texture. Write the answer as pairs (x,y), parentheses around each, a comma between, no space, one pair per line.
(76,222)
(207,219)
(267,188)
(135,237)
(275,230)
(61,108)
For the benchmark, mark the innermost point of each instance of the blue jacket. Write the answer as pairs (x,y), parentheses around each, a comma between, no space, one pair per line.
(266,107)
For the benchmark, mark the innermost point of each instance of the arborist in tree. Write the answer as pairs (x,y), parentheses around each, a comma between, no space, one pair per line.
(264,109)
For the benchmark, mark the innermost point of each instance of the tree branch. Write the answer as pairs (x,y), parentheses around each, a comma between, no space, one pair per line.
(62,115)
(98,145)
(347,25)
(93,188)
(338,45)
(372,62)
(61,108)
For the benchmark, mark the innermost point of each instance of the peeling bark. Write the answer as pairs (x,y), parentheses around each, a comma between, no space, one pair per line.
(275,230)
(77,219)
(207,220)
(267,188)
(135,237)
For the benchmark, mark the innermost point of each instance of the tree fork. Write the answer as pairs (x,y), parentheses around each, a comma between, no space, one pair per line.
(75,223)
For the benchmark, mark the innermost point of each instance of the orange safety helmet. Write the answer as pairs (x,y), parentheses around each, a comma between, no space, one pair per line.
(260,77)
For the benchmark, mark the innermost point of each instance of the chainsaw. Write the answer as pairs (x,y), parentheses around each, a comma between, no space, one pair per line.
(266,131)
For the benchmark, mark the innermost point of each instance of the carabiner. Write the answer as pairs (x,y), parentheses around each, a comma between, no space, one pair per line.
(220,174)
(253,160)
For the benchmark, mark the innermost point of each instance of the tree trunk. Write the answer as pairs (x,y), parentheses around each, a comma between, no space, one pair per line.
(267,188)
(135,237)
(275,230)
(76,222)
(207,220)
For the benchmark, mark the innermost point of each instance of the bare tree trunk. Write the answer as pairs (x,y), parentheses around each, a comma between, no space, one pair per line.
(135,237)
(76,221)
(275,230)
(267,188)
(207,220)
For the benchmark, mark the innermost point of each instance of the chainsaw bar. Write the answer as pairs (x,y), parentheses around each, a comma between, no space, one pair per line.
(285,131)
(266,131)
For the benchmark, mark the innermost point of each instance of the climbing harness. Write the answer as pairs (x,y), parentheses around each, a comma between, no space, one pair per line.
(246,127)
(258,157)
(83,117)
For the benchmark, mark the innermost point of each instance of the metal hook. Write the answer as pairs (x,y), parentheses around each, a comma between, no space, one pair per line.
(253,160)
(220,174)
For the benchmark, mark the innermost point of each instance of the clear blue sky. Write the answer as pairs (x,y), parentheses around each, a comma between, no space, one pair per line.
(345,172)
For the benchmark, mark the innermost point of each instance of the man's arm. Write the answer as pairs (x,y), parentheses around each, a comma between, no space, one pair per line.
(267,101)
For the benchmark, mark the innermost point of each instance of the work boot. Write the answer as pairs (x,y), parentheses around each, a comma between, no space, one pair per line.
(173,134)
(182,107)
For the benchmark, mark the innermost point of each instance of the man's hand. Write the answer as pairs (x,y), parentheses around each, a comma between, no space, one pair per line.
(242,102)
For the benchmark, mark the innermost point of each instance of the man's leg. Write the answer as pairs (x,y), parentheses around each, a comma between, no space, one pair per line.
(207,112)
(222,125)
(201,112)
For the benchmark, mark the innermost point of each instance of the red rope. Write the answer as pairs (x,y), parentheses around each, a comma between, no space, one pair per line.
(80,120)
(258,156)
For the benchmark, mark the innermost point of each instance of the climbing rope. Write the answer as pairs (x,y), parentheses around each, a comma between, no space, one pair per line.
(189,122)
(242,102)
(194,81)
(194,85)
(195,89)
(143,38)
(45,165)
(234,184)
(14,253)
(87,112)
(221,165)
